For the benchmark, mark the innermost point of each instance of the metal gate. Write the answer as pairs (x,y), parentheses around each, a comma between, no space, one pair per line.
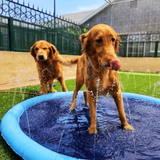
(21,26)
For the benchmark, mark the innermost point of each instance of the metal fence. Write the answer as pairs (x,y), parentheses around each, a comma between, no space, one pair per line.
(22,25)
(140,45)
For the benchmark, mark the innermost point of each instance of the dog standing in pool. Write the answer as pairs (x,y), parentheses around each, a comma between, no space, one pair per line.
(97,68)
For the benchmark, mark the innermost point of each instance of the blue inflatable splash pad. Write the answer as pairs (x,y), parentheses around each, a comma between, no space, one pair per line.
(43,128)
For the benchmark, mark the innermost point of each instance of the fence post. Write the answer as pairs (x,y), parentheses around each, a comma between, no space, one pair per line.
(11,34)
(156,49)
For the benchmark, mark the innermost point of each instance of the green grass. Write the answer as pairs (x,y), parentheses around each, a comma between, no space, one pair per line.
(141,83)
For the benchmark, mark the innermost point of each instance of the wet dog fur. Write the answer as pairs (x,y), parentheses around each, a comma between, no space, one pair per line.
(49,65)
(99,46)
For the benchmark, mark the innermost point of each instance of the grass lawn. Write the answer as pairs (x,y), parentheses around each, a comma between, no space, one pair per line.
(141,83)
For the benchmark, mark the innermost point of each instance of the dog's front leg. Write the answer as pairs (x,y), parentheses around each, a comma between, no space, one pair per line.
(43,89)
(85,94)
(79,84)
(51,86)
(92,104)
(73,104)
(117,96)
(62,82)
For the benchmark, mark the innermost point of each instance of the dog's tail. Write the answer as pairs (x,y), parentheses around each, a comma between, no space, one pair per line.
(67,62)
(74,60)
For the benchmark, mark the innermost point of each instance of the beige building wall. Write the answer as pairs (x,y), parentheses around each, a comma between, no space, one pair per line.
(19,68)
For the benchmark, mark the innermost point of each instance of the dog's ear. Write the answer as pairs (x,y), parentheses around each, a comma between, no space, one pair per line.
(117,43)
(32,51)
(82,37)
(84,41)
(52,49)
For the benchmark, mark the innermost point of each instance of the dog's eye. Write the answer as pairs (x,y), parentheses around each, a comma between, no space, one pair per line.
(99,40)
(45,48)
(36,49)
(113,39)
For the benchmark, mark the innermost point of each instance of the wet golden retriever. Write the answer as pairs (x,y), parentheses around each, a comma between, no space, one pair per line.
(97,69)
(49,65)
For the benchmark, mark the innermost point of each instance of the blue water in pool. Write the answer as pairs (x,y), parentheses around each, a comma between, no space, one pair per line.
(54,127)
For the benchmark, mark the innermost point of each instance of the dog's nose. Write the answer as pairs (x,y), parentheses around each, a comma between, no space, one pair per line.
(40,57)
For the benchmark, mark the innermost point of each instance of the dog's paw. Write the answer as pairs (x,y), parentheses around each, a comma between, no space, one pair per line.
(72,106)
(128,127)
(92,130)
(53,90)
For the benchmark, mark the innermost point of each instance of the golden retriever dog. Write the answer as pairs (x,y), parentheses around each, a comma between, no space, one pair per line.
(49,65)
(97,68)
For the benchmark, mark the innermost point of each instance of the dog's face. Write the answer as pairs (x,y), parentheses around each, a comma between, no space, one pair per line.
(101,43)
(42,50)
